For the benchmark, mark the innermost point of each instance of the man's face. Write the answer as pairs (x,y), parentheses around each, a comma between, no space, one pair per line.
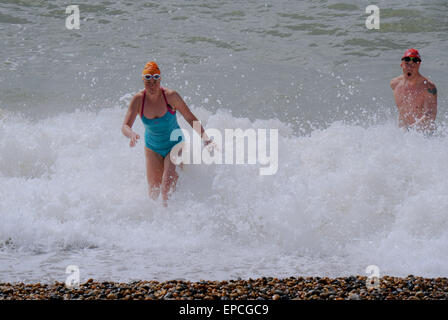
(410,67)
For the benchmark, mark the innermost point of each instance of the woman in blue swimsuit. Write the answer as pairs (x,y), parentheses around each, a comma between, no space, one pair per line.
(157,108)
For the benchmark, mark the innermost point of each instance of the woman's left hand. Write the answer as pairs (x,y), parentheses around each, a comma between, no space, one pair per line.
(211,145)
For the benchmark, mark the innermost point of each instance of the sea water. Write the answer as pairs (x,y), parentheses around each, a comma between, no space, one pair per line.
(352,189)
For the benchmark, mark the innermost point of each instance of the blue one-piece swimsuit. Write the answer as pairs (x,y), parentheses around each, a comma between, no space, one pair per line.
(158,130)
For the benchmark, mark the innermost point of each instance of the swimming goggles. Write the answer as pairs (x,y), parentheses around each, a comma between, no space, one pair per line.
(148,77)
(414,59)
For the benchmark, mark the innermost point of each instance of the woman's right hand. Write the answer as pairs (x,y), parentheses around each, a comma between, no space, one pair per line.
(134,138)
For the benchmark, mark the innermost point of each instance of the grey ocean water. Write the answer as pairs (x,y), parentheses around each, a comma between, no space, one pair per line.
(291,60)
(352,190)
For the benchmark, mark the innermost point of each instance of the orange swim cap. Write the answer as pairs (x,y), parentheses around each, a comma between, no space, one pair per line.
(151,68)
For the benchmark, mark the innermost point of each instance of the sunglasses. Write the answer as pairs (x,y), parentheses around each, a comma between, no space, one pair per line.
(148,77)
(414,59)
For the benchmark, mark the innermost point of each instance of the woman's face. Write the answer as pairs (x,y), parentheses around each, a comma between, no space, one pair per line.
(153,83)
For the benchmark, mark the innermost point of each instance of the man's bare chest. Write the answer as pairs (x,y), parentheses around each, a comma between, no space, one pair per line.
(409,96)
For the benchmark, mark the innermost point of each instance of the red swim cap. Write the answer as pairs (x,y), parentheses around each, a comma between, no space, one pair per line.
(411,53)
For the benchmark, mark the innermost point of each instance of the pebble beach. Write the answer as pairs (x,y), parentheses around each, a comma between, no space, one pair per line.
(266,288)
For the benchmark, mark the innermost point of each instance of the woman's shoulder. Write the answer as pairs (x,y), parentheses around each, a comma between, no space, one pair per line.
(139,94)
(171,95)
(169,91)
(136,100)
(138,97)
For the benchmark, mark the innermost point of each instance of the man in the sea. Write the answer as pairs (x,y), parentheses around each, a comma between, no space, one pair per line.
(415,95)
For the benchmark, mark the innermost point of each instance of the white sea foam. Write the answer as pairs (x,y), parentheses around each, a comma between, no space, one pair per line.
(344,197)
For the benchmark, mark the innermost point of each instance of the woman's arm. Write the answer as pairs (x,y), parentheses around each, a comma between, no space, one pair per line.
(180,105)
(129,119)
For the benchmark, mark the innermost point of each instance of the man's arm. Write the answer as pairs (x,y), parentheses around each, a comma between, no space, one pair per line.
(394,82)
(426,123)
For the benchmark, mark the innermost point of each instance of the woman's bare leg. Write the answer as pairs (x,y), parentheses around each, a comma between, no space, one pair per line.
(169,178)
(154,172)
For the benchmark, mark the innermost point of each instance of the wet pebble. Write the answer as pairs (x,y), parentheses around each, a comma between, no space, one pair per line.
(319,288)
